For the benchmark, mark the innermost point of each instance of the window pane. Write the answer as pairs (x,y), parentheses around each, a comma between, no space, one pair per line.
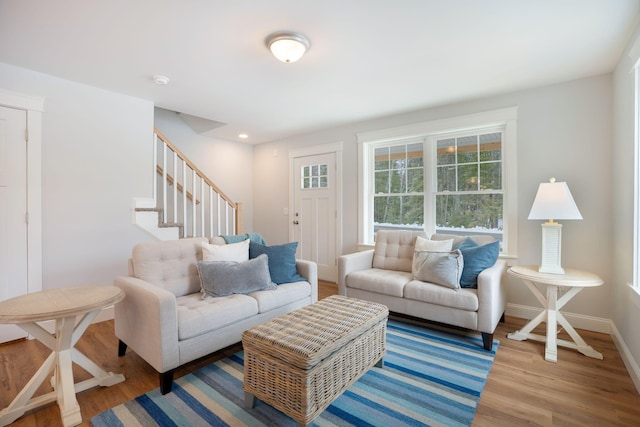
(382,182)
(314,182)
(307,183)
(491,147)
(415,180)
(314,170)
(306,171)
(447,178)
(468,177)
(471,211)
(398,157)
(415,154)
(398,181)
(323,169)
(324,182)
(446,151)
(381,158)
(399,212)
(491,176)
(468,149)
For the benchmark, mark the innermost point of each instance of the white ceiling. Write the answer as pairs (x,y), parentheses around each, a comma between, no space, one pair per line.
(368,58)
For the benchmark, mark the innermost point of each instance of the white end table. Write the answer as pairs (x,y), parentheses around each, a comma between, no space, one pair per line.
(73,309)
(575,280)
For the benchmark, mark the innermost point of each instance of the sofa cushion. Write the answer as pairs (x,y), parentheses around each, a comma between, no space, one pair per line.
(222,278)
(480,239)
(476,259)
(282,261)
(394,249)
(197,316)
(441,268)
(284,294)
(235,252)
(387,282)
(463,299)
(169,264)
(423,244)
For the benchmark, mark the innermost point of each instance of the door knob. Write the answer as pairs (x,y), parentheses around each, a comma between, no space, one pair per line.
(296,222)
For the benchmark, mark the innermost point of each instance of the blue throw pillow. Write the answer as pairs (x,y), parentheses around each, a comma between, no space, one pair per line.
(477,258)
(466,243)
(282,261)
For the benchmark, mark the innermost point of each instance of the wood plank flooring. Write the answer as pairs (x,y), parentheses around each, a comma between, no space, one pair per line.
(522,389)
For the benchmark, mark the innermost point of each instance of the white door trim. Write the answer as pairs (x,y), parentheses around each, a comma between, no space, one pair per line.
(314,151)
(34,106)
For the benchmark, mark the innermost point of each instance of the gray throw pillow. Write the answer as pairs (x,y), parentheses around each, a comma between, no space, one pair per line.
(222,278)
(441,268)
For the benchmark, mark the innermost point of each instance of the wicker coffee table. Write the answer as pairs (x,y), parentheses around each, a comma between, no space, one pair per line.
(301,362)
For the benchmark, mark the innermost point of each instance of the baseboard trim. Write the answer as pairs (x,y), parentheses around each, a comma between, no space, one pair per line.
(627,357)
(579,321)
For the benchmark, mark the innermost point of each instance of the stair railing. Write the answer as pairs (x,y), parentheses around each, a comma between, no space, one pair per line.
(186,198)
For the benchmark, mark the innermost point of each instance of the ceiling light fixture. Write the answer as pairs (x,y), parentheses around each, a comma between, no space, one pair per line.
(287,46)
(243,136)
(161,80)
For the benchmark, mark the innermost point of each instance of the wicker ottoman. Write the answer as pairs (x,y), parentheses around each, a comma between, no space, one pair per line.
(301,362)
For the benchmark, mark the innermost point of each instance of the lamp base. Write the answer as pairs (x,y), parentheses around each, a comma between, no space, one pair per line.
(551,248)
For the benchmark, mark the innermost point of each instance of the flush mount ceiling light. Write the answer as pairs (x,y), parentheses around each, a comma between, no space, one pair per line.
(161,80)
(287,46)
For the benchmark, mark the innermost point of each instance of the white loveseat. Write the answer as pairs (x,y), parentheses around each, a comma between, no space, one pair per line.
(165,319)
(384,275)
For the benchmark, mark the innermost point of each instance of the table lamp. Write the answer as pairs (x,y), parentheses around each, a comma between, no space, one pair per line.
(553,201)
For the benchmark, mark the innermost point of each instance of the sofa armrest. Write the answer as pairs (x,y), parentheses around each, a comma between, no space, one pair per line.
(352,262)
(147,321)
(309,270)
(492,296)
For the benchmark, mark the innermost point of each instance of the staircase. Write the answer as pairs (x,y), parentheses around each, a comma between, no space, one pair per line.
(185,202)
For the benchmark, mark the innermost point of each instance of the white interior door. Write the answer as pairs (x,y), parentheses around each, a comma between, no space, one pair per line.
(13,211)
(314,216)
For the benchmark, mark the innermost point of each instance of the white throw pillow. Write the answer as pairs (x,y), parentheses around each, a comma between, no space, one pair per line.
(441,268)
(423,244)
(234,252)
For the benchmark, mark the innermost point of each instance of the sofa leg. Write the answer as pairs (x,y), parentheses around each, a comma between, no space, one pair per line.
(487,341)
(166,381)
(502,319)
(122,348)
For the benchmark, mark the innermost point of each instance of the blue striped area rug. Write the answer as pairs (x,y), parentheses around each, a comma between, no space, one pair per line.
(432,376)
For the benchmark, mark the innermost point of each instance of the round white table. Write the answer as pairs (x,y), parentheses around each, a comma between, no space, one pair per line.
(72,309)
(575,280)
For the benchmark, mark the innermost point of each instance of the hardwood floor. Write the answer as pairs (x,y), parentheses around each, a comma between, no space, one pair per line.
(522,388)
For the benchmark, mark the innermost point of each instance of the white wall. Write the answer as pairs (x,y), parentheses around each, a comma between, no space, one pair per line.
(564,131)
(228,164)
(626,304)
(93,145)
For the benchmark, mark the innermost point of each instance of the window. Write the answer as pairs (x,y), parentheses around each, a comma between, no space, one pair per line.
(468,193)
(315,176)
(447,176)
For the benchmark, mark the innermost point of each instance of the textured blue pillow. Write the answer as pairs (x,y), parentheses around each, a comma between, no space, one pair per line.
(466,243)
(282,261)
(477,258)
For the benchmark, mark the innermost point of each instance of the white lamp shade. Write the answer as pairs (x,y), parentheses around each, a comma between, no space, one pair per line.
(554,201)
(288,47)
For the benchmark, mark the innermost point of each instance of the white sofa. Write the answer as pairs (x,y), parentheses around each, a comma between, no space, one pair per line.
(384,275)
(167,322)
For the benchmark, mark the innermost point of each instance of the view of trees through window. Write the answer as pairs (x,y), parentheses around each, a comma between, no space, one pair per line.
(468,193)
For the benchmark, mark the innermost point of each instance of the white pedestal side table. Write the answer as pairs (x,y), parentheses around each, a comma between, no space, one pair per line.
(575,280)
(72,309)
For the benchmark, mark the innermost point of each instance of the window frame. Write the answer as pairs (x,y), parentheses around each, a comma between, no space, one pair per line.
(505,118)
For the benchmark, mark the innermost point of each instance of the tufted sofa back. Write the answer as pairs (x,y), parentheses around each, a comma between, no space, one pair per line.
(394,249)
(171,264)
